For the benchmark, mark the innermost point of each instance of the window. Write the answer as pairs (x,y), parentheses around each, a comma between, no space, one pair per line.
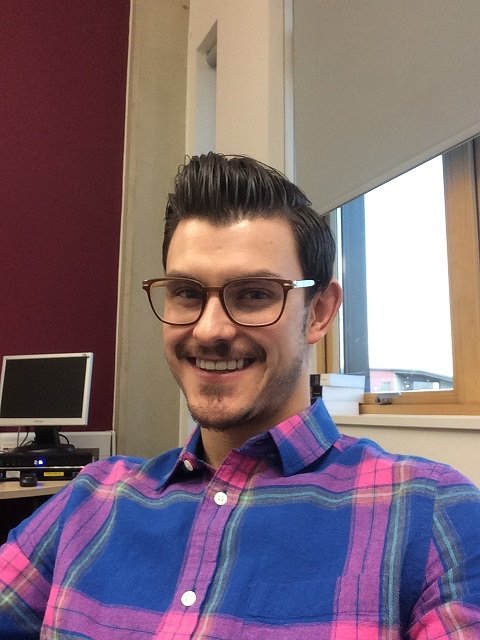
(409,265)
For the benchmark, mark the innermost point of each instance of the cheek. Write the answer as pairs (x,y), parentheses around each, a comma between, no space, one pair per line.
(166,337)
(171,338)
(292,326)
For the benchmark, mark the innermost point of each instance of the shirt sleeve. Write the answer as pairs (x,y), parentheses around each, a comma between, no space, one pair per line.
(449,605)
(26,569)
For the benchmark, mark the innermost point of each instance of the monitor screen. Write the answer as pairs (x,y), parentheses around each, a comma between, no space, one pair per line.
(46,389)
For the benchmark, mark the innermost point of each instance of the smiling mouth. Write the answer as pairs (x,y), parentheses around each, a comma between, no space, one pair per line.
(222,365)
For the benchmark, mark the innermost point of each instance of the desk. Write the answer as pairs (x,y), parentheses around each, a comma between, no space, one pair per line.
(17,503)
(12,489)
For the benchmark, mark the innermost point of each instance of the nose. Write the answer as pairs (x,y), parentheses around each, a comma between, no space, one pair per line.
(214,324)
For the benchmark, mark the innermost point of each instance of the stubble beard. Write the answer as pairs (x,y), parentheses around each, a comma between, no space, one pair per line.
(213,414)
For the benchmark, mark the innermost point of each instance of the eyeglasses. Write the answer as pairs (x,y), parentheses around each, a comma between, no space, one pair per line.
(249,302)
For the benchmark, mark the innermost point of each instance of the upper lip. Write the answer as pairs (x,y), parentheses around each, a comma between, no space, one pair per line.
(223,354)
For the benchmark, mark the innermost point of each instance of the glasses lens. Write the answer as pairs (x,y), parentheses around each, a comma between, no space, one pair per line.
(254,302)
(177,301)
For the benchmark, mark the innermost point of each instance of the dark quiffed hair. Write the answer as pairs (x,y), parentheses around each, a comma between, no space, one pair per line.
(226,189)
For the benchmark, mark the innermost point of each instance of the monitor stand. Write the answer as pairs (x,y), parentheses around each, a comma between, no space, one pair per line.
(47,441)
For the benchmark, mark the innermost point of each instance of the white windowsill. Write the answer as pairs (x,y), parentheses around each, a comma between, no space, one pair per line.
(465,423)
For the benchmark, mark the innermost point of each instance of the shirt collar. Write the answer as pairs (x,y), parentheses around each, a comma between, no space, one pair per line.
(297,442)
(304,438)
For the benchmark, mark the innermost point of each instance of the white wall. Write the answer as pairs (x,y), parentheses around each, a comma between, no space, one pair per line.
(250,77)
(146,398)
(453,440)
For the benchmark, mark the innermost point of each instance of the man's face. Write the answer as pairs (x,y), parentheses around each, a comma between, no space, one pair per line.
(270,381)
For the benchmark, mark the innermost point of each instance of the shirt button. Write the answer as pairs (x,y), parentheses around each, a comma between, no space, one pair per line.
(220,498)
(188,465)
(188,598)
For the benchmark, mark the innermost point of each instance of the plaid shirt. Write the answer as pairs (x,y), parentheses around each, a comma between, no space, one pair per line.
(300,534)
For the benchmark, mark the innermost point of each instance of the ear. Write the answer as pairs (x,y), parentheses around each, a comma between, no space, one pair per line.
(323,309)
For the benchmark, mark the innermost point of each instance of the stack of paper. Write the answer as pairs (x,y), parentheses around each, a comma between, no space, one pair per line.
(340,392)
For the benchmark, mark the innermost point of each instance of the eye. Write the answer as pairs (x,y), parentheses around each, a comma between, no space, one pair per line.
(249,293)
(182,291)
(190,293)
(254,293)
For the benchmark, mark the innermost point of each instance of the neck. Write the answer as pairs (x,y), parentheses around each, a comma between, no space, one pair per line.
(218,444)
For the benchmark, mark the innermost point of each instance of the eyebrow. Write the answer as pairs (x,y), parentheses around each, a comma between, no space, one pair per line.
(249,274)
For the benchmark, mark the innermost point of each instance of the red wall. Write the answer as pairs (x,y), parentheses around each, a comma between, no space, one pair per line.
(63,66)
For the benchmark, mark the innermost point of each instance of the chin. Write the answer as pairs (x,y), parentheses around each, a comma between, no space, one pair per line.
(218,418)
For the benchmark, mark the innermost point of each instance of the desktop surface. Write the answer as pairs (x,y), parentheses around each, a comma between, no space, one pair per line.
(11,489)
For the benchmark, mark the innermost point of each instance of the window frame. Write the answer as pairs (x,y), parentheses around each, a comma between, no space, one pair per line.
(461,178)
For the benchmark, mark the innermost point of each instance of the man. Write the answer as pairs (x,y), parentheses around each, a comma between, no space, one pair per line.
(268,524)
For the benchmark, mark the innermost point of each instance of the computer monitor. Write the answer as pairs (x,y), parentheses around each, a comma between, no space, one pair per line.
(45,391)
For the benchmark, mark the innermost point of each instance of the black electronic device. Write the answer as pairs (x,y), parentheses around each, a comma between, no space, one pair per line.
(51,465)
(28,480)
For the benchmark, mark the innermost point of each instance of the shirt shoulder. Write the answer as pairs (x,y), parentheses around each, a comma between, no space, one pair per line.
(364,454)
(119,470)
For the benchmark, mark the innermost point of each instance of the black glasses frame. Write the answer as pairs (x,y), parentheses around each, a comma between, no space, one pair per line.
(287,285)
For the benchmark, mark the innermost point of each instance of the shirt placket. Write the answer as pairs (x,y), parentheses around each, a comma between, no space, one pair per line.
(220,499)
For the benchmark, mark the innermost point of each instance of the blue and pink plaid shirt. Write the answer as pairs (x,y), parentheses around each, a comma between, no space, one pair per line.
(301,534)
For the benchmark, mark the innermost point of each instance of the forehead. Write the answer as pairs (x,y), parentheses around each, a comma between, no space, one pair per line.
(260,246)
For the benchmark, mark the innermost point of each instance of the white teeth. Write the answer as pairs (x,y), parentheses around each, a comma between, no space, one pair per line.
(220,365)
